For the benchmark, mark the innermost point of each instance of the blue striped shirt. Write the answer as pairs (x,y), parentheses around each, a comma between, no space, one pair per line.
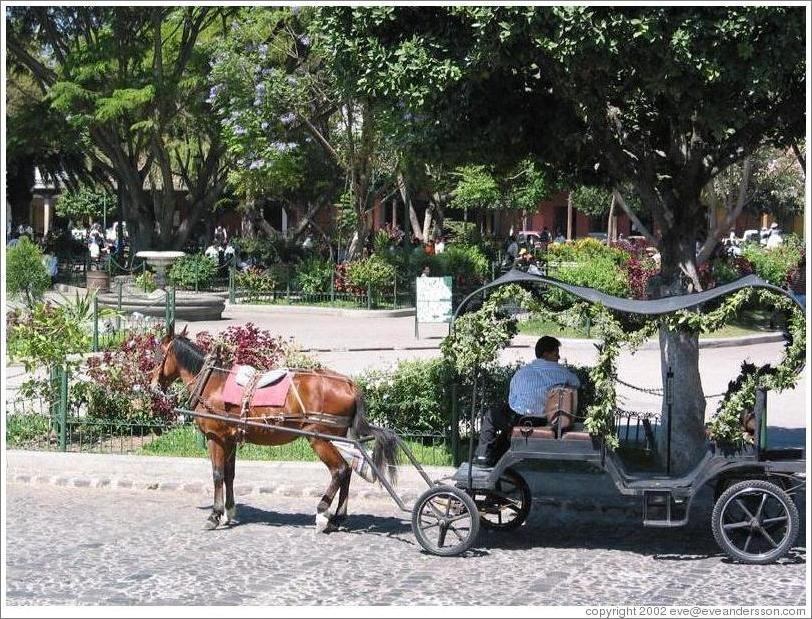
(530,384)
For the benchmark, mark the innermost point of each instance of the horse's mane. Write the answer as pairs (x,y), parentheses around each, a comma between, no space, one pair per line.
(188,354)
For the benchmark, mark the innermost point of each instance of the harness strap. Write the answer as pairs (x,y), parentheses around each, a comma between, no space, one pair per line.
(246,404)
(296,393)
(200,381)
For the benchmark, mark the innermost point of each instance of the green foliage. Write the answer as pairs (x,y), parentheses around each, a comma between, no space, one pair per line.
(373,271)
(146,281)
(773,265)
(530,186)
(45,336)
(477,338)
(84,204)
(254,281)
(413,397)
(26,275)
(467,264)
(193,271)
(599,273)
(585,250)
(23,429)
(476,189)
(593,201)
(313,275)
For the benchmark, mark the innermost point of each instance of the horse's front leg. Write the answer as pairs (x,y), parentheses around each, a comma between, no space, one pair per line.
(231,460)
(217,454)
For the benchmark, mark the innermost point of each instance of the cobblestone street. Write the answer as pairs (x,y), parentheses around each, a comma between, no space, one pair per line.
(89,546)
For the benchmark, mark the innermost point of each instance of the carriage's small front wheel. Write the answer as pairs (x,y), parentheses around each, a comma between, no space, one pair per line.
(755,522)
(507,505)
(445,521)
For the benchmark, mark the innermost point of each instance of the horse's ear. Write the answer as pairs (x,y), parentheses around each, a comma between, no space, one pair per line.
(185,329)
(170,330)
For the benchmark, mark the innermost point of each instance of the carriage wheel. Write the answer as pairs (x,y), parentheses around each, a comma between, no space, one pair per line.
(755,522)
(507,506)
(445,521)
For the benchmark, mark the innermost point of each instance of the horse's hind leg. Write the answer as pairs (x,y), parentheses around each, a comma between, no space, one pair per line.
(343,495)
(217,454)
(339,469)
(230,463)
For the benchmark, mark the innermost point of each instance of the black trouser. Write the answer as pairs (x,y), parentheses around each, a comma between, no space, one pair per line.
(495,425)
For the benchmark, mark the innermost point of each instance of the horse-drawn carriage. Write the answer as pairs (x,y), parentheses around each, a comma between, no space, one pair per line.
(754,520)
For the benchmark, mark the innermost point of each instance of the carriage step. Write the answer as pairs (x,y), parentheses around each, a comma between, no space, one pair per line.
(662,509)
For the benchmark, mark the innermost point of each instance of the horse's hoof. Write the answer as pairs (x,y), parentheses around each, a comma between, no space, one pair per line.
(211,523)
(231,517)
(322,523)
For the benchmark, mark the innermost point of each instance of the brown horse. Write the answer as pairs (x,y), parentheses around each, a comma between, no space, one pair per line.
(318,401)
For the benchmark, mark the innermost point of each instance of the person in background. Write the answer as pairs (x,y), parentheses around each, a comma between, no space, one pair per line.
(511,251)
(426,271)
(776,239)
(764,235)
(220,236)
(228,254)
(212,253)
(439,246)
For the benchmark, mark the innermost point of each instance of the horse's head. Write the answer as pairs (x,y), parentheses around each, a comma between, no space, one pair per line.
(166,368)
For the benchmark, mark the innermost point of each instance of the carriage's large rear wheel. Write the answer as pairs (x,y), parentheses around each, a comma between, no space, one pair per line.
(507,505)
(755,521)
(445,521)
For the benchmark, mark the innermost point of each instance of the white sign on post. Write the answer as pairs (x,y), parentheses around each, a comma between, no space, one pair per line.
(433,302)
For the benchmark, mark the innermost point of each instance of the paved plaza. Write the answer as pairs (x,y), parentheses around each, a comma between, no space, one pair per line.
(107,546)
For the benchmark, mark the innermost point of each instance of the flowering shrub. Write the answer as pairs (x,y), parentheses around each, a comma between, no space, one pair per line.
(599,273)
(374,272)
(412,397)
(585,250)
(639,270)
(246,345)
(117,386)
(313,275)
(343,283)
(254,281)
(774,265)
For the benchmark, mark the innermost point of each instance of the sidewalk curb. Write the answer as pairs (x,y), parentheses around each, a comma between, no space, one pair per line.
(57,469)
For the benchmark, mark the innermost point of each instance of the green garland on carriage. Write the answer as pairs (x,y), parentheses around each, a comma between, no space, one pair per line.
(479,336)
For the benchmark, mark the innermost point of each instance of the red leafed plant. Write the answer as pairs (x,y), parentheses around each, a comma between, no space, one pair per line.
(246,345)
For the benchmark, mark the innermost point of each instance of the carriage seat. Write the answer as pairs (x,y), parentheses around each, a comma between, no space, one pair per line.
(245,373)
(558,420)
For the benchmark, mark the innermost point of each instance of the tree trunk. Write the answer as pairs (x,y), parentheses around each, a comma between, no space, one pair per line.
(610,223)
(407,201)
(679,351)
(20,179)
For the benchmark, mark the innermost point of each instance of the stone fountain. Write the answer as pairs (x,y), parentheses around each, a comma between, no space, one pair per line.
(188,305)
(160,261)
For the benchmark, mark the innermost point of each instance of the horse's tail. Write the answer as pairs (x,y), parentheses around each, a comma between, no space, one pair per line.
(384,455)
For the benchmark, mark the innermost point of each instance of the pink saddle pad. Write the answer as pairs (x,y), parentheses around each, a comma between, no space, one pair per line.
(272,395)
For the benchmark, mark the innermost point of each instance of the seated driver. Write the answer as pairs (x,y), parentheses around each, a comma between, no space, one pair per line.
(528,396)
